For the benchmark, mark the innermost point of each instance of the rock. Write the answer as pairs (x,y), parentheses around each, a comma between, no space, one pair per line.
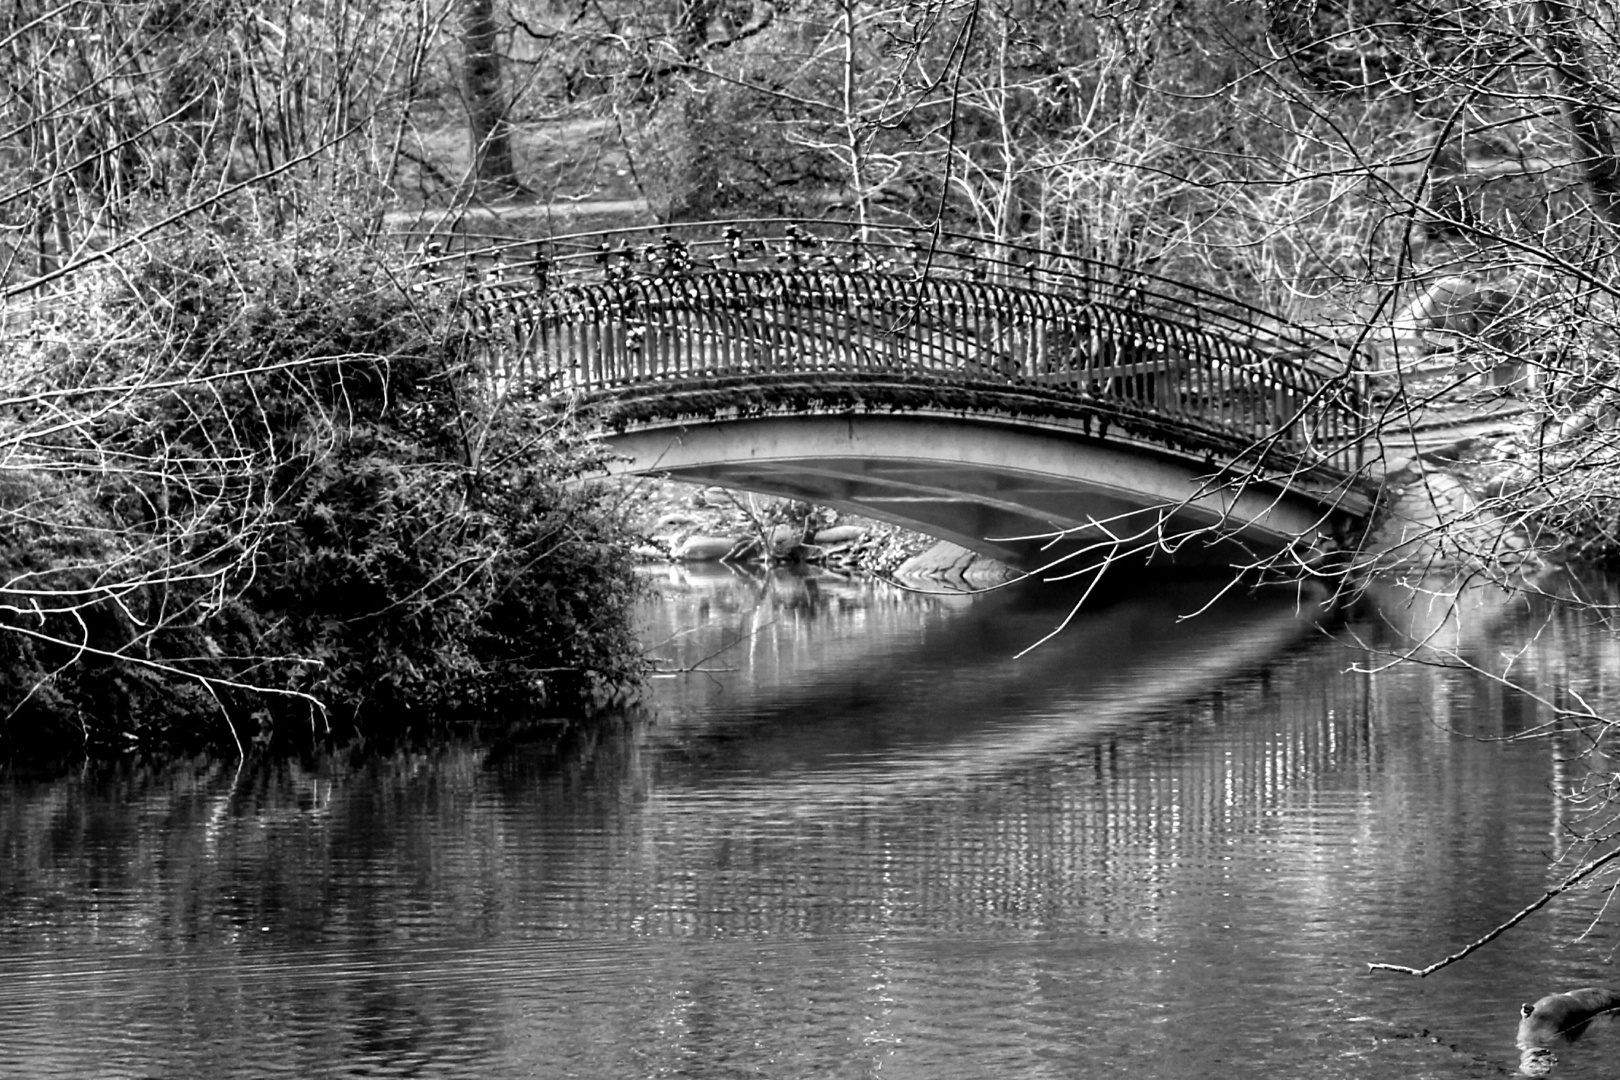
(667,511)
(705,548)
(954,564)
(839,534)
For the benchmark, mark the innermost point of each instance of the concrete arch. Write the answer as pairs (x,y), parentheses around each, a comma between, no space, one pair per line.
(997,486)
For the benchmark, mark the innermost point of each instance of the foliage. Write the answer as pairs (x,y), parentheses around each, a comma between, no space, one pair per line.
(276,497)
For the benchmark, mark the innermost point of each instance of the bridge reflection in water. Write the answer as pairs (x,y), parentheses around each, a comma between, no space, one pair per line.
(916,704)
(980,393)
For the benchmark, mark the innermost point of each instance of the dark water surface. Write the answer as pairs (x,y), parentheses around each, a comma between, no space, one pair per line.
(858,839)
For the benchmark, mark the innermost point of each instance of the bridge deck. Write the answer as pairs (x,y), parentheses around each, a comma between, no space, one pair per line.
(724,312)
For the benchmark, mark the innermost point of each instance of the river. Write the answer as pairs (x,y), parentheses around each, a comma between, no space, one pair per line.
(852,833)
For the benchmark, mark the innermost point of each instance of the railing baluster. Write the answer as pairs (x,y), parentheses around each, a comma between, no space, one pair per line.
(1172,391)
(722,300)
(562,358)
(660,314)
(747,326)
(839,316)
(707,317)
(817,345)
(648,361)
(577,355)
(589,362)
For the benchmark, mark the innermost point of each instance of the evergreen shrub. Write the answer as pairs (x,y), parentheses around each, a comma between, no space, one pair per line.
(252,493)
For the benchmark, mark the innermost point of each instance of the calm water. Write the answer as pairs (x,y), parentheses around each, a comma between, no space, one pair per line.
(857,838)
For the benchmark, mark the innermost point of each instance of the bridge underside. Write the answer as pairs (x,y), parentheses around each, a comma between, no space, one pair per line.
(1000,488)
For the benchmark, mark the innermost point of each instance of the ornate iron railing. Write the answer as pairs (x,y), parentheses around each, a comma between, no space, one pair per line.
(711,306)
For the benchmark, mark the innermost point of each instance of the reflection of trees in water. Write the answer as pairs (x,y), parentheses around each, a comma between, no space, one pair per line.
(1529,666)
(1536,668)
(692,596)
(241,910)
(1556,679)
(258,849)
(769,624)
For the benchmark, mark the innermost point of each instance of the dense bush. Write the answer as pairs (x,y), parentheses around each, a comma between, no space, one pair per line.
(253,492)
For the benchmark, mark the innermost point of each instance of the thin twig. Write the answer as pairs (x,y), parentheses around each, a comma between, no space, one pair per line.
(1568,883)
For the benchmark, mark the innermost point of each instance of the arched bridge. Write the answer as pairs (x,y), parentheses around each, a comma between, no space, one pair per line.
(1021,403)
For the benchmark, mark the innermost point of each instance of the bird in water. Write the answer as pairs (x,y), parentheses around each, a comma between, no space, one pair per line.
(1557,1021)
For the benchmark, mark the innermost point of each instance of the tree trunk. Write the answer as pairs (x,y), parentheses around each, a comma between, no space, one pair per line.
(692,26)
(1447,209)
(1590,137)
(490,132)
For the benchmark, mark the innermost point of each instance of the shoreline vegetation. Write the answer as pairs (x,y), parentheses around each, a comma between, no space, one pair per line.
(251,502)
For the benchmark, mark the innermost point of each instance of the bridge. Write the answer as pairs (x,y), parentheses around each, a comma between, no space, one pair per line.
(1044,409)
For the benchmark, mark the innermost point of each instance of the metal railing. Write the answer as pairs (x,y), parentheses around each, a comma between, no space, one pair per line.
(707,306)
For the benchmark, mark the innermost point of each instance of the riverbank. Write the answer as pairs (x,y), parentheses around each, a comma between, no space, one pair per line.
(1456,456)
(682,522)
